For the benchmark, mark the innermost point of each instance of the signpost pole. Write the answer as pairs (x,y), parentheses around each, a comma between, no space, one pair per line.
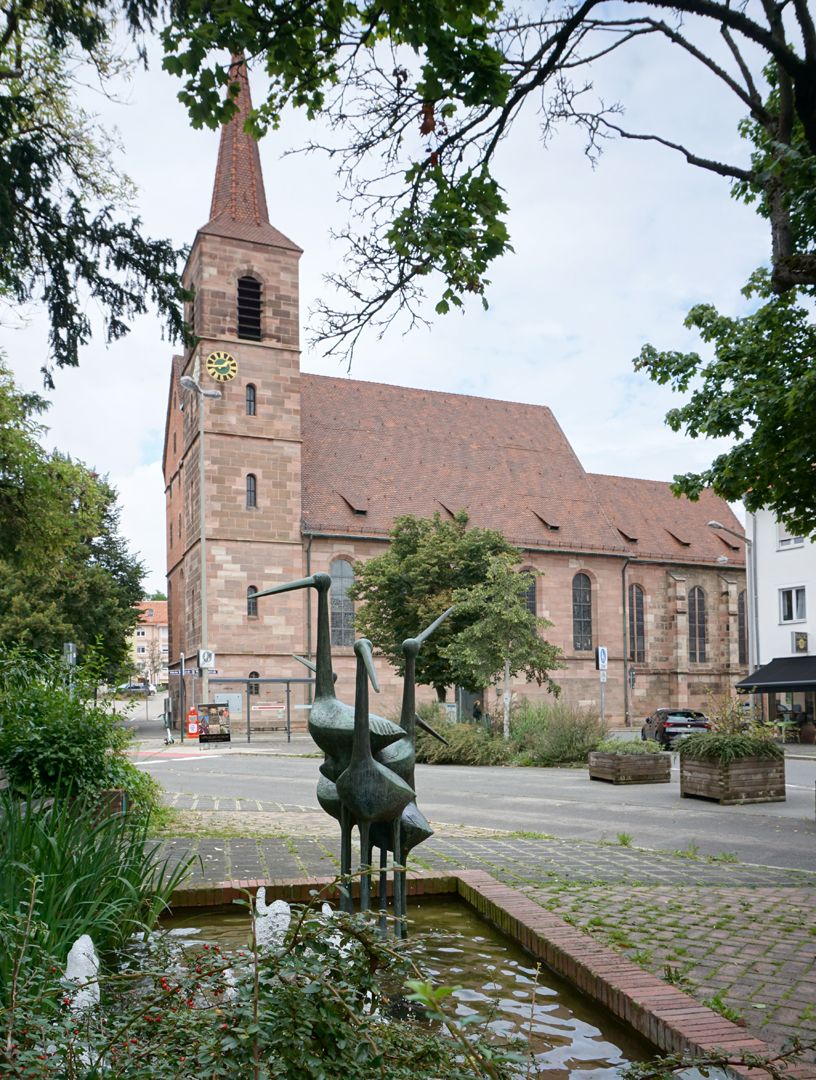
(182,702)
(288,712)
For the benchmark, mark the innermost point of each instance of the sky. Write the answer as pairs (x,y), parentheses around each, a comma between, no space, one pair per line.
(606,259)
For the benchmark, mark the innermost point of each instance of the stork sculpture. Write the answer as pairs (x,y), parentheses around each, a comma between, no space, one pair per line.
(367,775)
(369,791)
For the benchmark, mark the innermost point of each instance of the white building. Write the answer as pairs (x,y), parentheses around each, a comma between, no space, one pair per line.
(785,625)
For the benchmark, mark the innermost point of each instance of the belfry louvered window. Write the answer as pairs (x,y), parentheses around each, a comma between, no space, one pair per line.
(581,613)
(249,308)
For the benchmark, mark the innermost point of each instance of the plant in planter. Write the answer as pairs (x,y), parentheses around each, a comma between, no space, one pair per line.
(624,761)
(731,765)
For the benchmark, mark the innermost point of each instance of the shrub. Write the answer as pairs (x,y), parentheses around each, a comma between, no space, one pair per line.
(468,744)
(554,733)
(629,746)
(54,737)
(725,748)
(66,872)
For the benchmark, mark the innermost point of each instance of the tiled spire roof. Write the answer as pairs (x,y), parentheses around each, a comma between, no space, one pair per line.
(238,208)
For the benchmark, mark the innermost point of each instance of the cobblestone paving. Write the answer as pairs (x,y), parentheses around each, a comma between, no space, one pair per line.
(738,937)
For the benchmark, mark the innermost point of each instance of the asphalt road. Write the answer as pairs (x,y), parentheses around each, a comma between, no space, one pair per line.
(560,802)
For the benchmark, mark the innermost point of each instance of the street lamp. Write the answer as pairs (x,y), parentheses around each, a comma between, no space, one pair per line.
(753,598)
(189,383)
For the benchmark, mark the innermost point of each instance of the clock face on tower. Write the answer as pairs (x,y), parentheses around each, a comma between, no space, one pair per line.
(221,366)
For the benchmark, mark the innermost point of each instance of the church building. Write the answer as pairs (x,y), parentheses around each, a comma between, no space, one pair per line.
(273,474)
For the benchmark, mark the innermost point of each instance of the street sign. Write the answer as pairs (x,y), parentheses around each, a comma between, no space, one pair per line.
(206,658)
(187,671)
(603,675)
(601,658)
(69,653)
(632,677)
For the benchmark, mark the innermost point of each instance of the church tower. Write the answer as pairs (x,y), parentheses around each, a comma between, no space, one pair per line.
(233,463)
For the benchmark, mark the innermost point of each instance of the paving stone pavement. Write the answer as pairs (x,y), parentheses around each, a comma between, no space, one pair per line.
(736,936)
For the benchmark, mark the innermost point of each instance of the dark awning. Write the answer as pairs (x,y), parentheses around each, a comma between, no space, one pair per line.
(783,673)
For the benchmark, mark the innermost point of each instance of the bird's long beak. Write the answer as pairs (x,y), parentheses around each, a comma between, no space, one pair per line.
(288,586)
(306,663)
(364,649)
(427,727)
(426,633)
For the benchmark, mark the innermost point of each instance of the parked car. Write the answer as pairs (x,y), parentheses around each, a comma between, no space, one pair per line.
(666,726)
(129,688)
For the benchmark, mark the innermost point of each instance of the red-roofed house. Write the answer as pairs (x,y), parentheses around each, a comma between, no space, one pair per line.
(304,473)
(150,642)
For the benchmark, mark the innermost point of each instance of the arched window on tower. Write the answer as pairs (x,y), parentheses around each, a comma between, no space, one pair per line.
(637,626)
(250,399)
(697,625)
(249,308)
(742,628)
(342,607)
(251,491)
(253,687)
(581,613)
(252,601)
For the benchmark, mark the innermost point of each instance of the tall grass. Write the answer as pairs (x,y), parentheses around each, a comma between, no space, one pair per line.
(67,871)
(554,733)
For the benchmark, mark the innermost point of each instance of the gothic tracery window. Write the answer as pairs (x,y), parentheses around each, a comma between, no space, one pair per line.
(581,613)
(342,607)
(637,627)
(697,625)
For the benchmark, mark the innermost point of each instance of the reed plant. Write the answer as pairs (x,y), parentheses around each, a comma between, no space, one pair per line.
(68,871)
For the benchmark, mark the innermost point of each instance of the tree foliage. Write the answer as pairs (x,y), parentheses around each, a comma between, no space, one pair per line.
(421,95)
(502,633)
(66,232)
(759,389)
(429,565)
(65,571)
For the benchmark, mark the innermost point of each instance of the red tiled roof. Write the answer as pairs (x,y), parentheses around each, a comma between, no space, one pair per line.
(390,450)
(665,526)
(418,451)
(238,209)
(159,609)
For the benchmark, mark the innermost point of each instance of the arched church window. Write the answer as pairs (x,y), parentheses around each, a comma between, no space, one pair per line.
(250,399)
(254,687)
(637,627)
(581,613)
(251,491)
(249,308)
(697,625)
(742,628)
(530,596)
(252,601)
(342,607)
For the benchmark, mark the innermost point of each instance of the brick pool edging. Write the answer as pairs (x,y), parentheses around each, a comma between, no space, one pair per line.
(669,1018)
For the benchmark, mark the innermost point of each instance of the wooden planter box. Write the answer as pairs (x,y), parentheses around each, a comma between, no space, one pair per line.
(749,780)
(630,768)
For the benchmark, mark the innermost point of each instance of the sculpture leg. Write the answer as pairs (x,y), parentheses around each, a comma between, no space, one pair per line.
(383,889)
(399,880)
(365,879)
(346,902)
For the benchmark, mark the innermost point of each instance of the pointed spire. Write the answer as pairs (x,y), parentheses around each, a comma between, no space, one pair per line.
(238,192)
(238,208)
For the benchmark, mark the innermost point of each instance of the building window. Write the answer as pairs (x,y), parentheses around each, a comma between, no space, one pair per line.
(784,538)
(174,450)
(171,534)
(149,613)
(342,607)
(742,629)
(252,601)
(581,613)
(697,625)
(254,687)
(530,597)
(141,633)
(251,491)
(792,605)
(249,308)
(141,649)
(250,399)
(637,626)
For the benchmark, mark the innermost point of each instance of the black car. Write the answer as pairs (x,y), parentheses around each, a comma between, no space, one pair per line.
(666,726)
